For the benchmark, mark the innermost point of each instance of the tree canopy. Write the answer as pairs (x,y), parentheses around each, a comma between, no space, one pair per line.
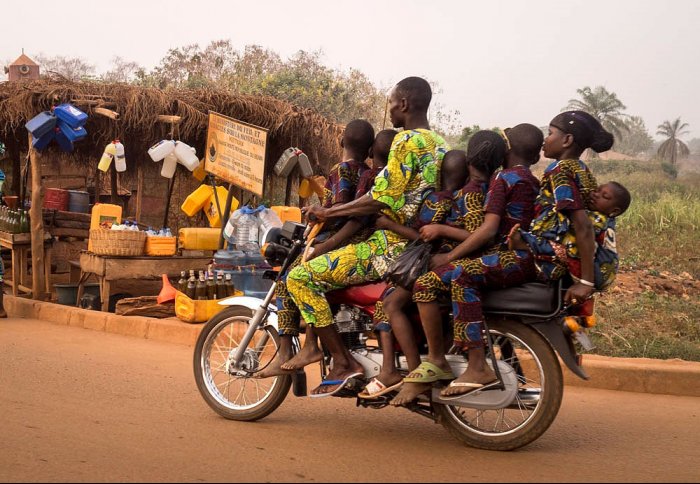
(672,148)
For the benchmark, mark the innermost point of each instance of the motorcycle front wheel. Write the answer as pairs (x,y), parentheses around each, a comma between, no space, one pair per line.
(235,392)
(537,403)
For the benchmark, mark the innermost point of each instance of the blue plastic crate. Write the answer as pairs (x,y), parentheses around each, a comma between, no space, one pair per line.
(63,141)
(73,134)
(70,115)
(43,141)
(41,124)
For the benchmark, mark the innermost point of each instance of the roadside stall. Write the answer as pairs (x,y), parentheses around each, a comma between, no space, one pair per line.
(225,147)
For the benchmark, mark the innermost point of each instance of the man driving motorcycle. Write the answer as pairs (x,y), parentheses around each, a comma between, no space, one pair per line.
(412,170)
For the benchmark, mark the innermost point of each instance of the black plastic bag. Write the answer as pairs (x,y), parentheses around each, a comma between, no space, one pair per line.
(412,263)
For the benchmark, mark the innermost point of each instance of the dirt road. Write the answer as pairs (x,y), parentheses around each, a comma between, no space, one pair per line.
(81,405)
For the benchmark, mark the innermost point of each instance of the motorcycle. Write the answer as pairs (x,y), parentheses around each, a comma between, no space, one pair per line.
(525,331)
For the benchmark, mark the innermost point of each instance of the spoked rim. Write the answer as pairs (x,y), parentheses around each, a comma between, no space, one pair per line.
(530,374)
(238,389)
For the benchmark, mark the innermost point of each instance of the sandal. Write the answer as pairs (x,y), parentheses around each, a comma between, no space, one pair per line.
(427,372)
(468,388)
(376,389)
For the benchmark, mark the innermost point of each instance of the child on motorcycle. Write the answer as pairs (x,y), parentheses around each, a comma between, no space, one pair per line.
(355,229)
(341,187)
(462,213)
(510,200)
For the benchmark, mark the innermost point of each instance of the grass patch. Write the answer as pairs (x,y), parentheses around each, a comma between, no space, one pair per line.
(660,232)
(648,326)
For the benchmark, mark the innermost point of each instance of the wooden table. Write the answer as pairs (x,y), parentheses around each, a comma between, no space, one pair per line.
(20,245)
(111,268)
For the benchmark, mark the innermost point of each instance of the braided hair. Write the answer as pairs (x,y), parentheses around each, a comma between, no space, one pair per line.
(486,151)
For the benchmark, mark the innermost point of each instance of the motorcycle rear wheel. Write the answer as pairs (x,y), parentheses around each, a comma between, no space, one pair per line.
(539,394)
(237,394)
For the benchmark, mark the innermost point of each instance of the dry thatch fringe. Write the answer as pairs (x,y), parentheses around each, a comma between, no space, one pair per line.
(288,125)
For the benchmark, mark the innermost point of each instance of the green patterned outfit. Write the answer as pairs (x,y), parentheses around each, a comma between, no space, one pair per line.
(412,171)
(341,187)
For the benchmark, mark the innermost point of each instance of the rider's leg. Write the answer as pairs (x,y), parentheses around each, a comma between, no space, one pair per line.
(310,352)
(344,364)
(288,319)
(497,270)
(426,292)
(308,284)
(394,306)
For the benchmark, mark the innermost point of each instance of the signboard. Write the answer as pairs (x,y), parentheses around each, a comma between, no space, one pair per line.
(236,152)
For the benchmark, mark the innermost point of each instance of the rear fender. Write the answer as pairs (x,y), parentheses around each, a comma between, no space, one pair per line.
(551,329)
(253,303)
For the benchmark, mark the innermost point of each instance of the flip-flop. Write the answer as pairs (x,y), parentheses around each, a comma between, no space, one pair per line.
(471,388)
(376,389)
(429,373)
(341,385)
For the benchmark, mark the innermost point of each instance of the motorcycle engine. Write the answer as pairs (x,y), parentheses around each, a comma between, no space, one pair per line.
(349,319)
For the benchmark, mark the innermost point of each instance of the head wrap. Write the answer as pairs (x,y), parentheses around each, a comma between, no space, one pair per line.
(586,130)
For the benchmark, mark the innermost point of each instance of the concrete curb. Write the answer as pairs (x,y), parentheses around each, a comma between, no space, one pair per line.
(644,375)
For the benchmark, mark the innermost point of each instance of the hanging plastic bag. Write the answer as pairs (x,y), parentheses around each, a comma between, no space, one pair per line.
(413,262)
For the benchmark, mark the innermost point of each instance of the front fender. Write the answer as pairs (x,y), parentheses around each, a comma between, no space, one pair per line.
(253,303)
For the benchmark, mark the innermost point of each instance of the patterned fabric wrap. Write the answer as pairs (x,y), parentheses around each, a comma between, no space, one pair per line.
(497,270)
(347,266)
(380,319)
(555,258)
(566,186)
(467,210)
(288,316)
(341,187)
(412,171)
(435,209)
(511,195)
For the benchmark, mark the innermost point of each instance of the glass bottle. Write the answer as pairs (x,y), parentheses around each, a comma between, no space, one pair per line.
(191,287)
(200,292)
(220,286)
(182,282)
(230,289)
(211,287)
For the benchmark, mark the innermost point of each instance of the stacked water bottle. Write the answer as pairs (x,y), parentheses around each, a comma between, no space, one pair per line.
(173,152)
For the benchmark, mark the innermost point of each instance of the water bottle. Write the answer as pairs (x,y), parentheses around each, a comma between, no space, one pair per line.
(169,166)
(268,220)
(186,155)
(161,149)
(119,157)
(246,233)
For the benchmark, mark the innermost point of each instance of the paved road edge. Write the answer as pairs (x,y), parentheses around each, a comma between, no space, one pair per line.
(644,375)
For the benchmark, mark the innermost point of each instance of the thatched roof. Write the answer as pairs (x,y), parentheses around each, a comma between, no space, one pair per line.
(139,107)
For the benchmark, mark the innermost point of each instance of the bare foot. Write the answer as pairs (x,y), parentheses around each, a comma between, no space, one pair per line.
(515,240)
(483,377)
(275,368)
(409,392)
(306,356)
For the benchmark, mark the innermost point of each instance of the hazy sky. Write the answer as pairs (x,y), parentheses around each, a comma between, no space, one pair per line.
(499,62)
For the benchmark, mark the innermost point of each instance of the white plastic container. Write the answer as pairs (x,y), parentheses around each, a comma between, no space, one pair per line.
(161,149)
(169,166)
(186,155)
(119,157)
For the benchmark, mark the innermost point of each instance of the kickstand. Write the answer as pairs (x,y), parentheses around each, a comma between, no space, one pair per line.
(494,360)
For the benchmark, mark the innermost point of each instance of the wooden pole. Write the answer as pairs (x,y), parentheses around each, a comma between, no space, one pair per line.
(37,225)
(113,184)
(225,215)
(139,190)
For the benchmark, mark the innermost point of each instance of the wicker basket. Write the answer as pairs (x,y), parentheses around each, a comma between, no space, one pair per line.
(117,242)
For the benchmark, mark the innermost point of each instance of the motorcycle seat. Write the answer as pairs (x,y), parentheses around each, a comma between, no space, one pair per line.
(362,294)
(531,299)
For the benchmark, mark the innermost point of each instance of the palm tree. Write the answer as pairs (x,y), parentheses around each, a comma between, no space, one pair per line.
(605,106)
(673,148)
